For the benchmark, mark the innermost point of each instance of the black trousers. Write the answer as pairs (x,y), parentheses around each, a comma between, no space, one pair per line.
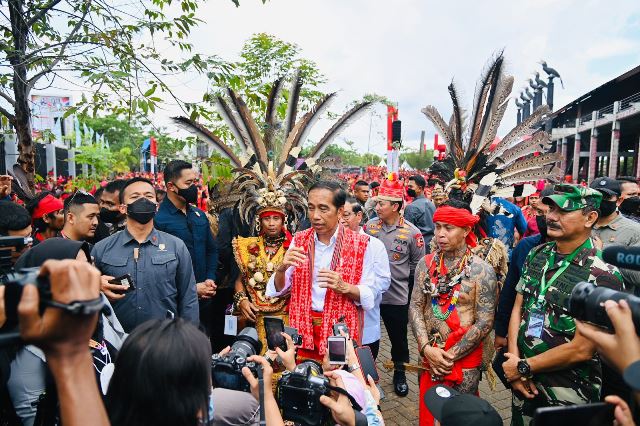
(396,319)
(375,347)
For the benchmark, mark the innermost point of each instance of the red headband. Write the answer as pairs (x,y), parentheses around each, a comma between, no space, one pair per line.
(48,204)
(458,217)
(268,213)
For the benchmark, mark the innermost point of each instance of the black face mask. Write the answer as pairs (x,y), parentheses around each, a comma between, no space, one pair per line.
(109,216)
(411,193)
(630,206)
(607,208)
(189,194)
(541,221)
(141,210)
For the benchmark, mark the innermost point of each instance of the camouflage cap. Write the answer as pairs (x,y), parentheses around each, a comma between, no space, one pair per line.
(573,197)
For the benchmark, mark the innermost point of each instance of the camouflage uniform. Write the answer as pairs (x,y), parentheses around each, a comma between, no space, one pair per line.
(580,383)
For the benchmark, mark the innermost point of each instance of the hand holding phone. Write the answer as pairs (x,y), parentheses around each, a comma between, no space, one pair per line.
(367,363)
(125,281)
(337,346)
(273,329)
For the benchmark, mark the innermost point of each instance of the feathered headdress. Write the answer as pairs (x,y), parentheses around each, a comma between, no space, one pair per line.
(474,163)
(266,173)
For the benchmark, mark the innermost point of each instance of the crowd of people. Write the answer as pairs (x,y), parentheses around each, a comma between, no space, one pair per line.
(158,301)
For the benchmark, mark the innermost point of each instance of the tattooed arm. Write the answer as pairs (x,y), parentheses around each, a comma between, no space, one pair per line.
(416,309)
(486,295)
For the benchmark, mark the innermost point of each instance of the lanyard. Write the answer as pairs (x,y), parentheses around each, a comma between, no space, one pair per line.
(544,284)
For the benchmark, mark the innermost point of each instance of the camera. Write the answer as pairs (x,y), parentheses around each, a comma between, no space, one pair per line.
(13,283)
(298,394)
(226,370)
(586,304)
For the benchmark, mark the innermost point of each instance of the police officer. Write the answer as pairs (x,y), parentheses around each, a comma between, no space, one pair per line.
(571,372)
(405,247)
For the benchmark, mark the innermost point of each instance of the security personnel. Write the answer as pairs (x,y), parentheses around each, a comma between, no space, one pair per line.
(162,283)
(405,247)
(549,362)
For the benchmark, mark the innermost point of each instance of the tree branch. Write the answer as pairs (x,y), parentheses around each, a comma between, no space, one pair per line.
(7,114)
(7,98)
(43,11)
(32,81)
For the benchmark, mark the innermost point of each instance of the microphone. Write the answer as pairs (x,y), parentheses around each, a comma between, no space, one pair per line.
(622,257)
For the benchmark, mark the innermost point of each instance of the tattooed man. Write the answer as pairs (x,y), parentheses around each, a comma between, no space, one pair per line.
(452,305)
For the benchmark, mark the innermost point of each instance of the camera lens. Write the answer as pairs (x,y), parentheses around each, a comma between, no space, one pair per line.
(587,304)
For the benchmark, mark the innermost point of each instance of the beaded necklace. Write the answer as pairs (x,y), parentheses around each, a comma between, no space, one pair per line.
(445,285)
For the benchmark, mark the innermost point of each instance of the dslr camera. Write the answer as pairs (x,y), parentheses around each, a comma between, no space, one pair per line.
(586,304)
(298,394)
(226,370)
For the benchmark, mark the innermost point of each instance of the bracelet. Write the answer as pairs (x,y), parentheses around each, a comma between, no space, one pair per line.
(353,367)
(422,348)
(237,298)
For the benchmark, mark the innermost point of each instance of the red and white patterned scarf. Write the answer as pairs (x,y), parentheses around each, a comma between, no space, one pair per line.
(348,258)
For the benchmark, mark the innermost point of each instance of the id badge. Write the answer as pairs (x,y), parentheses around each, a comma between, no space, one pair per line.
(536,324)
(230,325)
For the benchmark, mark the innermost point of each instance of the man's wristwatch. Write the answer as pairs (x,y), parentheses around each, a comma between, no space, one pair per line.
(524,369)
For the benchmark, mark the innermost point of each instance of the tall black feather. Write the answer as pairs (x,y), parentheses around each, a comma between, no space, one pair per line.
(496,72)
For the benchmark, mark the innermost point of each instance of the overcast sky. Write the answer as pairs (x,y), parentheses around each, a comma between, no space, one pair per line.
(409,50)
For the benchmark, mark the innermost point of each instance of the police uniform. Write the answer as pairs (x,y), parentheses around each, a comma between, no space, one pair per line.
(405,247)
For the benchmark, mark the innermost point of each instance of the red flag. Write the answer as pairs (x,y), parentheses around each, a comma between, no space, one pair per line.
(153,150)
(392,115)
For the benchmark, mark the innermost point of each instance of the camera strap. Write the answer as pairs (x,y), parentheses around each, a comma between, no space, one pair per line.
(84,307)
(341,391)
(263,420)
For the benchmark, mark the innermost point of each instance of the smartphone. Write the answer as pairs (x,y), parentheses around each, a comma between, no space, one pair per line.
(337,350)
(599,413)
(125,281)
(273,327)
(340,326)
(293,332)
(367,363)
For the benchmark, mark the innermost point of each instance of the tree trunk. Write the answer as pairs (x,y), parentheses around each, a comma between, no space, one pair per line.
(22,116)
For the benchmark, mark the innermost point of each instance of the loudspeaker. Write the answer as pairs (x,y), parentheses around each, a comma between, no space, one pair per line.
(396,131)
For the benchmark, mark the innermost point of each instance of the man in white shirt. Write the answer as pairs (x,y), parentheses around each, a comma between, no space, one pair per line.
(351,218)
(329,271)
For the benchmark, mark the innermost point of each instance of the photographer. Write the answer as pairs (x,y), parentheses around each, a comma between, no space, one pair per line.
(15,222)
(29,385)
(153,386)
(63,338)
(621,349)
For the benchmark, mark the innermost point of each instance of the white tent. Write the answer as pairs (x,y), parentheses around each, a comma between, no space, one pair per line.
(382,163)
(406,166)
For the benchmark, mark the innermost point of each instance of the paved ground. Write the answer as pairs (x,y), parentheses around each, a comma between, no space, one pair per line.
(404,411)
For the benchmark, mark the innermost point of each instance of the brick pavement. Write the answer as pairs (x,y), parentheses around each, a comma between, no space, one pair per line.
(399,411)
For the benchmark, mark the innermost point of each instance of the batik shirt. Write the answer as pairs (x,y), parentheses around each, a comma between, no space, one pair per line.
(584,379)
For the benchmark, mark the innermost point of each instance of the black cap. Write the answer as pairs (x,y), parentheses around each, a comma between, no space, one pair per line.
(451,408)
(606,185)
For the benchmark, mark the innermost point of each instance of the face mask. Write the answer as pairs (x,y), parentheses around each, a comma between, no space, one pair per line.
(189,194)
(411,193)
(541,221)
(607,208)
(109,216)
(630,206)
(141,210)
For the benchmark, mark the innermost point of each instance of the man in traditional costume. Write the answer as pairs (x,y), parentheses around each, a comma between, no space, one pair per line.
(257,258)
(329,271)
(452,306)
(477,169)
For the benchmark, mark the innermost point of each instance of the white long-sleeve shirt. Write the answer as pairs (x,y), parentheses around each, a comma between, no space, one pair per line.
(322,259)
(371,329)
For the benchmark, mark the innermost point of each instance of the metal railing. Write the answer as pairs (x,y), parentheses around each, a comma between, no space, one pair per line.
(627,102)
(604,111)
